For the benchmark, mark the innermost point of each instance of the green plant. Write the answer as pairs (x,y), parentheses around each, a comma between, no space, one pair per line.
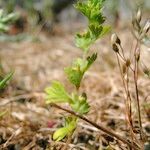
(5,20)
(92,9)
(78,103)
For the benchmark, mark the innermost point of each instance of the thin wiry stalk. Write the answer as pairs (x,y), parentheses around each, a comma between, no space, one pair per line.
(130,108)
(127,104)
(136,86)
(124,59)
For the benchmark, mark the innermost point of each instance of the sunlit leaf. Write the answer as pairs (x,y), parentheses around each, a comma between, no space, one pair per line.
(76,71)
(56,93)
(80,104)
(66,130)
(92,10)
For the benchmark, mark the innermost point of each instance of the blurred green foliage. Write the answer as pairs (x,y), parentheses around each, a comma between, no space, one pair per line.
(5,21)
(41,11)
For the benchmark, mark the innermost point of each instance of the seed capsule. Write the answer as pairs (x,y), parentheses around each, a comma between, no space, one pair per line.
(115,39)
(115,48)
(146,71)
(128,62)
(124,68)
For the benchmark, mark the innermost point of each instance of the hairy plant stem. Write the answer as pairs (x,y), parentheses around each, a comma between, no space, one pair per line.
(100,127)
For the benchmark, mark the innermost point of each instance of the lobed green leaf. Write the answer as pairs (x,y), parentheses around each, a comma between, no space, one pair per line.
(76,71)
(66,130)
(56,93)
(93,33)
(92,10)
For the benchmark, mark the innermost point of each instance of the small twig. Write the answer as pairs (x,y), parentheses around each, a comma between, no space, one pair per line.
(7,101)
(100,127)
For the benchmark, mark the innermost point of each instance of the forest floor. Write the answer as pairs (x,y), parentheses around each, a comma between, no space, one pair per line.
(29,123)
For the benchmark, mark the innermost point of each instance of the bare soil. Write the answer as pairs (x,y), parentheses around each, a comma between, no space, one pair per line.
(29,123)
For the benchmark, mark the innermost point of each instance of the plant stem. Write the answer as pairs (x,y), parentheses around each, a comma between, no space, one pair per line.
(128,99)
(100,127)
(136,88)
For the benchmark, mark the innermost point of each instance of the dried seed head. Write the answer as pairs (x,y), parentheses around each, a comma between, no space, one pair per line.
(146,71)
(115,39)
(139,15)
(128,62)
(115,48)
(146,27)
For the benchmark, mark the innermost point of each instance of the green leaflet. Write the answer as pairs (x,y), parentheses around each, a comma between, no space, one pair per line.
(84,40)
(92,10)
(80,104)
(56,93)
(5,80)
(66,130)
(76,71)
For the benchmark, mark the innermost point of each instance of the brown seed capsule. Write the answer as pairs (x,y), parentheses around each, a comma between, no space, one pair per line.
(124,68)
(115,48)
(128,62)
(115,39)
(138,15)
(146,71)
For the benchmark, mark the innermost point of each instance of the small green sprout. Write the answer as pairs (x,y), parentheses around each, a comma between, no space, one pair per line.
(6,20)
(92,9)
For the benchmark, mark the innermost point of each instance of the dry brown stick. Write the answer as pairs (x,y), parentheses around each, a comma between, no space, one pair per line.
(100,127)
